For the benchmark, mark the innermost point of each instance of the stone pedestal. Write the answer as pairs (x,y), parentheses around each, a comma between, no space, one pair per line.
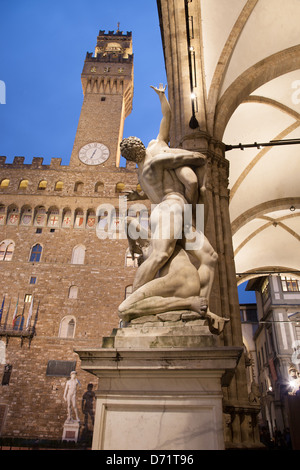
(71,431)
(160,388)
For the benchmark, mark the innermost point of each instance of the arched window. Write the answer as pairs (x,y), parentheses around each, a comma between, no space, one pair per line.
(4,183)
(73,292)
(23,184)
(120,187)
(42,185)
(59,186)
(78,187)
(78,254)
(67,327)
(9,252)
(2,251)
(36,253)
(99,186)
(7,248)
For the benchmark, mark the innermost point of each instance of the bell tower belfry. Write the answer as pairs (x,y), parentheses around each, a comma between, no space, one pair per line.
(107,82)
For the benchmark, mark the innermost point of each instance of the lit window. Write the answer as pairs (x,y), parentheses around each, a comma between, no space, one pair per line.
(290,284)
(36,253)
(27,298)
(120,187)
(23,184)
(4,183)
(42,185)
(59,186)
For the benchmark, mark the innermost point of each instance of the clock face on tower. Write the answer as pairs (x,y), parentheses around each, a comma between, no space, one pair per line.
(94,153)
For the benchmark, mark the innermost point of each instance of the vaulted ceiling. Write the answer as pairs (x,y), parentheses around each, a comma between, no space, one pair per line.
(251,62)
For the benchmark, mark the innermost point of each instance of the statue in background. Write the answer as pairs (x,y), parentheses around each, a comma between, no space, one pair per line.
(70,395)
(171,277)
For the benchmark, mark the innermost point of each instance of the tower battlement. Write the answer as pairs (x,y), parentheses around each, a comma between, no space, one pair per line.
(37,162)
(108,57)
(118,33)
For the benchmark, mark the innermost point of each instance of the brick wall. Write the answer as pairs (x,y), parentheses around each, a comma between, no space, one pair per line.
(35,405)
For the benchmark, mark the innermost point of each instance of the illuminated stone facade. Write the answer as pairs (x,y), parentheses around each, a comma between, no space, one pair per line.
(51,254)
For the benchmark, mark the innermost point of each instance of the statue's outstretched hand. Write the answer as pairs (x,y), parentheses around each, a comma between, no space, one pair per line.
(159,90)
(133,195)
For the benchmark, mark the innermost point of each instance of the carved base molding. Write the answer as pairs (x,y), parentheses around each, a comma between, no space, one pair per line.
(71,431)
(160,397)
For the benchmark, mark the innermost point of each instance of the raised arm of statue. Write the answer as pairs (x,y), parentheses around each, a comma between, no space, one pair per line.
(164,130)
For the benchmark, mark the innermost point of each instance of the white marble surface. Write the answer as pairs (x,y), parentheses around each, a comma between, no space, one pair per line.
(160,398)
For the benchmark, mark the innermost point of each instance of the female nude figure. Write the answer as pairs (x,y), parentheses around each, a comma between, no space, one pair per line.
(178,286)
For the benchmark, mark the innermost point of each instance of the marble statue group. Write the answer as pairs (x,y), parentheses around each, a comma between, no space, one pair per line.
(170,276)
